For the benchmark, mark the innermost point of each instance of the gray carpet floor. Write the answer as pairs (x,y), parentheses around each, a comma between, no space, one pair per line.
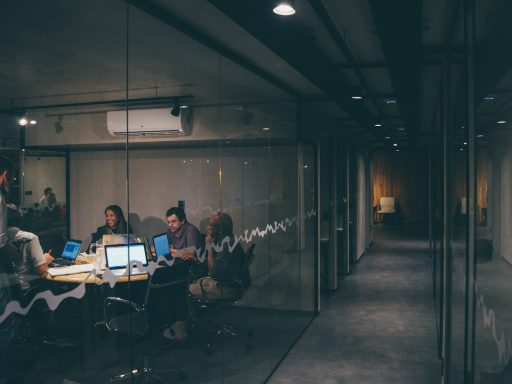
(379,327)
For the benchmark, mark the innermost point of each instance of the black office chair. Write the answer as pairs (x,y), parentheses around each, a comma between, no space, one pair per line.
(132,319)
(206,311)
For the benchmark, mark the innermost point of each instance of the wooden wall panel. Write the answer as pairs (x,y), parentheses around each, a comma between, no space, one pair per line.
(404,176)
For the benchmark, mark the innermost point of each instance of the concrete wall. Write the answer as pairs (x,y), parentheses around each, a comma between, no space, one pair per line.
(257,186)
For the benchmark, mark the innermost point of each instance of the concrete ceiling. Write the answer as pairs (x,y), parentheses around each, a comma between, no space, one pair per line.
(229,51)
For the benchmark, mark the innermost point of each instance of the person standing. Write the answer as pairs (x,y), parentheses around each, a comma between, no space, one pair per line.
(7,253)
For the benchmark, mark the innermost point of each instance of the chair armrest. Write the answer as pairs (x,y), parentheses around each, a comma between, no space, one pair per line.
(121,324)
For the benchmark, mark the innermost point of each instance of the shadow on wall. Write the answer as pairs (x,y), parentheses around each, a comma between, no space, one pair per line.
(148,227)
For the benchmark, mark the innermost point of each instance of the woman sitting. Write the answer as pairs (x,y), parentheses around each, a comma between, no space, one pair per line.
(115,223)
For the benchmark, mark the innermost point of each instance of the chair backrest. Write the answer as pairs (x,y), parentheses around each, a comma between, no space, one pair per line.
(387,205)
(245,278)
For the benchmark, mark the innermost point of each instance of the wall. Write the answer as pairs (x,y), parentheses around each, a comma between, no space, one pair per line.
(208,123)
(404,176)
(40,172)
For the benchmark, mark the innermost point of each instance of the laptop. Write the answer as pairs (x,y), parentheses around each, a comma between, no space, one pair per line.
(162,246)
(69,254)
(118,255)
(119,238)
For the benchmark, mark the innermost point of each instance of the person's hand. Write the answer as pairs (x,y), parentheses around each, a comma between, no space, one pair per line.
(188,255)
(48,257)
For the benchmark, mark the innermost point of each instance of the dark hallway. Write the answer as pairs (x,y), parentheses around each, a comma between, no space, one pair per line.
(380,326)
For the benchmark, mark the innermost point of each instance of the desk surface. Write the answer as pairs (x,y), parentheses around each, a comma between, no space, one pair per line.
(90,278)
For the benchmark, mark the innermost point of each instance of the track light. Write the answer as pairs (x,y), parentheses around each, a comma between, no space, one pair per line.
(175,111)
(284,7)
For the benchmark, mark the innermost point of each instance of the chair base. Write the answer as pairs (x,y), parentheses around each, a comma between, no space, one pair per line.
(147,375)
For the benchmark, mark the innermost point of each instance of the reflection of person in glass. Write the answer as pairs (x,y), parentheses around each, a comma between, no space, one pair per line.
(115,223)
(43,201)
(224,264)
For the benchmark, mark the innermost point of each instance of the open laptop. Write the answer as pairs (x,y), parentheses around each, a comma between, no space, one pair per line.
(162,246)
(69,254)
(119,238)
(118,255)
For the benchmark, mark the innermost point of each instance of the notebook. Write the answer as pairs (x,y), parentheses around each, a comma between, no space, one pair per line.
(118,255)
(69,254)
(162,246)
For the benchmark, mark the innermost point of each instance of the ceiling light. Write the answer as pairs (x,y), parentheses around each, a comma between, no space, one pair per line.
(501,122)
(175,111)
(284,8)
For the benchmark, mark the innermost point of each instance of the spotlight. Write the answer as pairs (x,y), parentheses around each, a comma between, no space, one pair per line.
(175,111)
(284,7)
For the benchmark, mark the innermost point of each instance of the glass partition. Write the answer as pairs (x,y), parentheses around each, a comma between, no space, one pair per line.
(141,118)
(493,137)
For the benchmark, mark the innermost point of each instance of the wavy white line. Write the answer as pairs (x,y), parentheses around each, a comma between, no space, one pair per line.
(53,301)
(503,343)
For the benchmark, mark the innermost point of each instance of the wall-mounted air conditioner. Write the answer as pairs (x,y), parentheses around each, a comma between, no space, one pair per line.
(149,122)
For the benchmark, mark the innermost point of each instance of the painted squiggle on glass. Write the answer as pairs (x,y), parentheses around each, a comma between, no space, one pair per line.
(53,301)
(503,343)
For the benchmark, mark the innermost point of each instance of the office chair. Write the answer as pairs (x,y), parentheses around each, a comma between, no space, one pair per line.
(204,305)
(134,321)
(386,207)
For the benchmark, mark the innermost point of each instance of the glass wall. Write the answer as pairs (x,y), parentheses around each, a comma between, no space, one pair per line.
(493,137)
(137,115)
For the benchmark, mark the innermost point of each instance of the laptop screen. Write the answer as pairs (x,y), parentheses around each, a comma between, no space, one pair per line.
(71,249)
(161,243)
(117,255)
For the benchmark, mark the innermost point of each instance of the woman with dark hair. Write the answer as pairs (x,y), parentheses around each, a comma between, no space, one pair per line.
(115,223)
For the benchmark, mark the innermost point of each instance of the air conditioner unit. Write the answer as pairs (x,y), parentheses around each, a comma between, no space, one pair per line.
(149,122)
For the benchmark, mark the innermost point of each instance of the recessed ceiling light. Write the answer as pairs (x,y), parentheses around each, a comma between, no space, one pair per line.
(284,8)
(501,122)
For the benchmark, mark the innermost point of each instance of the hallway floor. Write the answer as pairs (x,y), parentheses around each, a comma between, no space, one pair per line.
(379,327)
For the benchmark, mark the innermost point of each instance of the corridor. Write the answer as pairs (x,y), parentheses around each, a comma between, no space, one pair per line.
(379,327)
